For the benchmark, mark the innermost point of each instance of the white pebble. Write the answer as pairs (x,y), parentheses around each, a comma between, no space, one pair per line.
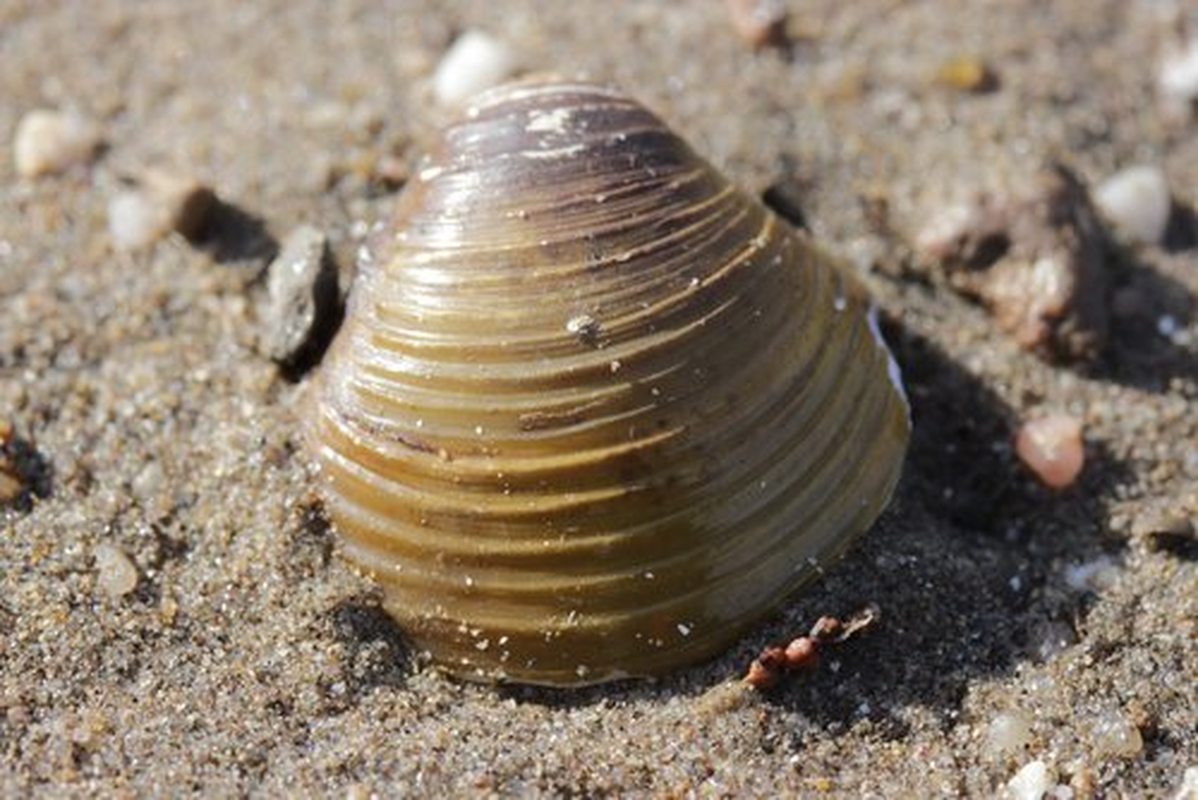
(49,142)
(1115,735)
(134,220)
(164,202)
(1008,733)
(1097,574)
(116,574)
(1166,325)
(1031,782)
(1178,78)
(474,62)
(1136,200)
(1189,785)
(941,232)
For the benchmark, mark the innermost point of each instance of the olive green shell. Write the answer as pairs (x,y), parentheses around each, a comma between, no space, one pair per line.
(593,410)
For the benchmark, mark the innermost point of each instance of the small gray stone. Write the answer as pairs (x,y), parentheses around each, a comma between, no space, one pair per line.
(302,300)
(116,575)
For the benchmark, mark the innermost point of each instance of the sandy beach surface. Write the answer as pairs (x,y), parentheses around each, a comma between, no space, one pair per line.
(174,615)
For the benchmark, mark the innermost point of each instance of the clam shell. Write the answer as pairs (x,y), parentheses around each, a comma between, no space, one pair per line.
(594,411)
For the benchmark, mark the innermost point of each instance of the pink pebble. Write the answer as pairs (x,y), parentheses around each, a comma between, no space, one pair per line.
(1052,448)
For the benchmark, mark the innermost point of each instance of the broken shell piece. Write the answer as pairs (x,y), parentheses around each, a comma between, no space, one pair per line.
(1037,260)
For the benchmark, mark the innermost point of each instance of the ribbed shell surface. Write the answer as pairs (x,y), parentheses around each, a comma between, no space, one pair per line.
(593,410)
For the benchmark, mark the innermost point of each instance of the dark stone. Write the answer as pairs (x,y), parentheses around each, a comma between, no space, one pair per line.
(303,301)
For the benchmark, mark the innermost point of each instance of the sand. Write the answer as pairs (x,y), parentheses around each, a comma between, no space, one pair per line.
(249,659)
